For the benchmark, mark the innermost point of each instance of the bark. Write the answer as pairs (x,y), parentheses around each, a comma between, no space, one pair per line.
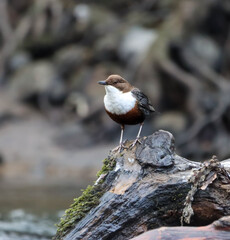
(218,230)
(147,189)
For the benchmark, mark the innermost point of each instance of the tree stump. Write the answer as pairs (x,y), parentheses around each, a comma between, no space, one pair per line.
(146,188)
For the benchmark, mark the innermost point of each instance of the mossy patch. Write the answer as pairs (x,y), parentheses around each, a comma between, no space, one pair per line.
(81,206)
(108,165)
(89,199)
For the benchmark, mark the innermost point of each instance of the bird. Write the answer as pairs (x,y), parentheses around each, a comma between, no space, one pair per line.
(126,105)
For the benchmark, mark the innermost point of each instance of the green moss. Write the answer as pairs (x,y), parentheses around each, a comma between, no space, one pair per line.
(108,165)
(82,205)
(89,199)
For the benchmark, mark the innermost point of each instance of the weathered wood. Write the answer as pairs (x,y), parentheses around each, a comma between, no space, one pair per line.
(218,230)
(147,189)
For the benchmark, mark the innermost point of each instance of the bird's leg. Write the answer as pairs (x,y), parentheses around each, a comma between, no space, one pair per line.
(121,146)
(138,136)
(121,138)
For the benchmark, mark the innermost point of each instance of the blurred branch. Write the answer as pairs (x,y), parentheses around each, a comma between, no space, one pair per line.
(204,120)
(207,73)
(13,39)
(179,75)
(196,89)
(57,11)
(5,26)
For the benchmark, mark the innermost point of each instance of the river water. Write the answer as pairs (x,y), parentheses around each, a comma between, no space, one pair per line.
(41,175)
(31,213)
(22,225)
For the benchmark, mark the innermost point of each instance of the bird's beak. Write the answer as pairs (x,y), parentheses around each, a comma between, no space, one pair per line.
(102,83)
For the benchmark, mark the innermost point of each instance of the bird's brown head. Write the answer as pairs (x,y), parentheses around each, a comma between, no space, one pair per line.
(117,82)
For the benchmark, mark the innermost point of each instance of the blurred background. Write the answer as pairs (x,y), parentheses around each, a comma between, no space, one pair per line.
(54,132)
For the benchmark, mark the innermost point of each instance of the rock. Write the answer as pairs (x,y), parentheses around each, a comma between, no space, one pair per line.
(69,58)
(34,78)
(135,44)
(12,111)
(79,103)
(82,13)
(103,20)
(157,151)
(96,19)
(106,47)
(79,78)
(19,60)
(204,49)
(57,93)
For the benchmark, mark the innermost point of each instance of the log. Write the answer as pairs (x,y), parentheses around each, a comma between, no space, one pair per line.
(218,230)
(147,187)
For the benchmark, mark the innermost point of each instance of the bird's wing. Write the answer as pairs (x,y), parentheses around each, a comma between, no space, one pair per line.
(143,101)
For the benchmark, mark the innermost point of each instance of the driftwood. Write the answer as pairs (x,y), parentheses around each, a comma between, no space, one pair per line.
(150,187)
(218,230)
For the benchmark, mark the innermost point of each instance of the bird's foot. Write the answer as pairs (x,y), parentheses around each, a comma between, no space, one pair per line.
(135,142)
(120,147)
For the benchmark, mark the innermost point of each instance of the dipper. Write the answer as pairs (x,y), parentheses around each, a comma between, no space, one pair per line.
(125,104)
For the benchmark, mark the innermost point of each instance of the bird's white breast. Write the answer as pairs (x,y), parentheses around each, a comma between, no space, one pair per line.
(118,102)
